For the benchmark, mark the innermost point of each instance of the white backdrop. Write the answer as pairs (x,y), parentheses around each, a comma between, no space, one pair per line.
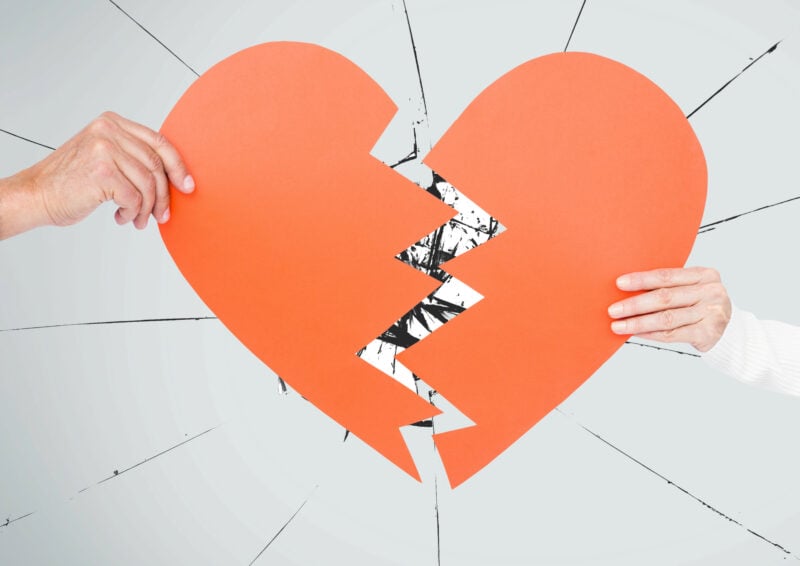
(150,440)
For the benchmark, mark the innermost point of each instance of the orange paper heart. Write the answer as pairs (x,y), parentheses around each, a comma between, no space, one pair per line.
(292,234)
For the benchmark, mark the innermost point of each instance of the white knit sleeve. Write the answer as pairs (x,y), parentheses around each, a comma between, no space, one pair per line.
(760,352)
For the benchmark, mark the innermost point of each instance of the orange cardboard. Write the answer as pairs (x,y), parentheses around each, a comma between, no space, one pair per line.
(292,233)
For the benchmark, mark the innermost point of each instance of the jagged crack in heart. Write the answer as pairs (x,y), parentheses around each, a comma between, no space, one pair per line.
(470,228)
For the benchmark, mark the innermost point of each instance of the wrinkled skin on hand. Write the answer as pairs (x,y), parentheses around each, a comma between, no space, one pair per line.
(111,159)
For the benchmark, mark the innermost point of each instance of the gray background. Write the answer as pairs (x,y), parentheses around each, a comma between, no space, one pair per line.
(655,460)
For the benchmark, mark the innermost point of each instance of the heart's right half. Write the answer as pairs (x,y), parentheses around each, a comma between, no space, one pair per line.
(291,236)
(595,172)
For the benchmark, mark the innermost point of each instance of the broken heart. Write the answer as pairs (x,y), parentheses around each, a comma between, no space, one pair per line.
(292,235)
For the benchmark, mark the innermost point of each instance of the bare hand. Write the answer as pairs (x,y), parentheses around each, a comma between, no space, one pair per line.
(112,159)
(681,305)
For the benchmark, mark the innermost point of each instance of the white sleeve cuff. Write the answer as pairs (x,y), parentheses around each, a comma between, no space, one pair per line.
(763,353)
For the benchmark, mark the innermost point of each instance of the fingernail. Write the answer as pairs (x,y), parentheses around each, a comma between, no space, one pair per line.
(615,310)
(165,216)
(623,281)
(618,327)
(188,184)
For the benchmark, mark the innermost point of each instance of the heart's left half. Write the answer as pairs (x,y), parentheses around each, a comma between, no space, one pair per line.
(291,236)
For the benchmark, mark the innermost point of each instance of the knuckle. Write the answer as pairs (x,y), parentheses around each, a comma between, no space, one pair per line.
(130,201)
(159,140)
(667,320)
(664,297)
(664,275)
(716,292)
(101,125)
(711,274)
(718,316)
(154,162)
(102,146)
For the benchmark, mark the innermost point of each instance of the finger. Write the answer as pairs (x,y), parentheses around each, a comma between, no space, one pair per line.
(125,196)
(665,320)
(143,181)
(684,334)
(173,163)
(658,300)
(147,156)
(668,277)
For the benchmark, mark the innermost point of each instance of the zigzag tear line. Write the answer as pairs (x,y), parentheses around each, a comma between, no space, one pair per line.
(470,228)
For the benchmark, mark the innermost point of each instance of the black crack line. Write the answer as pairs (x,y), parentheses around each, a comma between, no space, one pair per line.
(673,484)
(118,473)
(99,323)
(776,545)
(482,229)
(286,524)
(630,342)
(9,521)
(713,225)
(575,25)
(723,87)
(416,60)
(436,509)
(419,80)
(185,64)
(282,389)
(412,155)
(431,393)
(23,138)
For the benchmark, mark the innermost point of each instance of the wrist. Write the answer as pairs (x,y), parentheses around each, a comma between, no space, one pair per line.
(21,204)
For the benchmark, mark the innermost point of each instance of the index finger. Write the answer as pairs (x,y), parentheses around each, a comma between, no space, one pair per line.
(665,277)
(173,163)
